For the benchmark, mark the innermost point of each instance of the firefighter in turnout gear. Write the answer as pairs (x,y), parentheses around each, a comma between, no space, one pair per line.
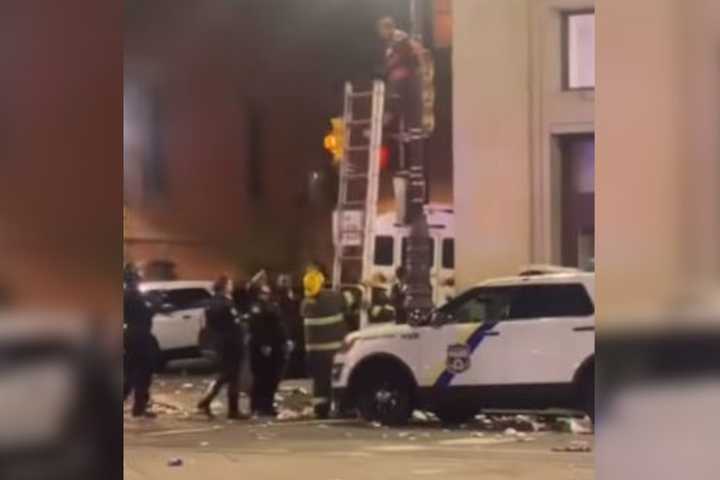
(227,335)
(325,329)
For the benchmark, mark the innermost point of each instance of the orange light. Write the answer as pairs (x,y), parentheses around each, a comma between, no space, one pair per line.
(334,140)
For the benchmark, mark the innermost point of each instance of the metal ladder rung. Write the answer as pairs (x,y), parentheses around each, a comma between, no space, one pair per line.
(361,94)
(355,176)
(363,148)
(346,204)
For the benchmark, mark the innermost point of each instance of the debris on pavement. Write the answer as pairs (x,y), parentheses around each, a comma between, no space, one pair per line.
(287,415)
(175,462)
(574,425)
(420,416)
(574,447)
(204,444)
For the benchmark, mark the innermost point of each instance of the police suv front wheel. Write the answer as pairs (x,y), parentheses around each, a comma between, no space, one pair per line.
(386,400)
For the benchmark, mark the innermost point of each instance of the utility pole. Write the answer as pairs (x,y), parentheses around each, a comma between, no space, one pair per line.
(416,20)
(419,302)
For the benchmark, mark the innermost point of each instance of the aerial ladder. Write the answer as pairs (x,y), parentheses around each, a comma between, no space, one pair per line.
(359,183)
(363,120)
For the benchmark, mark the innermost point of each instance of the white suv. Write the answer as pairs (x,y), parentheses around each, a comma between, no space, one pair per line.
(524,342)
(177,332)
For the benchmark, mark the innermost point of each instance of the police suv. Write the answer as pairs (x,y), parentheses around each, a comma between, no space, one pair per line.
(524,342)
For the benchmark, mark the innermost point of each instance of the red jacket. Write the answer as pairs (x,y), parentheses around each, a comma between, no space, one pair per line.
(401,59)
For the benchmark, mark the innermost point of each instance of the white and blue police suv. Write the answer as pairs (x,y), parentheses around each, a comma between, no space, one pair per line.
(523,342)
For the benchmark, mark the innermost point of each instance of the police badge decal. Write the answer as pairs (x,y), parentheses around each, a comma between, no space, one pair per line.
(458,358)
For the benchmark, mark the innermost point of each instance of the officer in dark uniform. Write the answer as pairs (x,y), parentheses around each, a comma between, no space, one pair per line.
(288,300)
(227,336)
(141,348)
(268,350)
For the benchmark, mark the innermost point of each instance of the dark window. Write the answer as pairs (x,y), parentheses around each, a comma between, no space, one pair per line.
(561,300)
(479,305)
(384,250)
(519,302)
(448,253)
(431,244)
(184,298)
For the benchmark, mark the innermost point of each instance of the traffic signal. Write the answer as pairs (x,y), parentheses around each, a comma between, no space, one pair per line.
(334,141)
(384,157)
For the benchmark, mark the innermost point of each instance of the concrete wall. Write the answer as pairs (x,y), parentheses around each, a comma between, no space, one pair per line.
(508,108)
(658,83)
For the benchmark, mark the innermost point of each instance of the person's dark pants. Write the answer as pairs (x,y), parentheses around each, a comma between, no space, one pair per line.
(139,366)
(408,105)
(266,371)
(229,374)
(319,365)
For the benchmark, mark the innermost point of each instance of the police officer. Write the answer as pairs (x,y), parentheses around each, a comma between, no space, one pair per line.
(398,294)
(141,347)
(268,349)
(325,329)
(288,300)
(227,336)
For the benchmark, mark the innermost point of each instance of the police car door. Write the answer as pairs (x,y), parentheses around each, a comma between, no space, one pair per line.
(550,328)
(465,349)
(181,327)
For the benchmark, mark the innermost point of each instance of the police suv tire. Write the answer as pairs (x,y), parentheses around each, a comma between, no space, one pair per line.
(455,416)
(373,406)
(587,393)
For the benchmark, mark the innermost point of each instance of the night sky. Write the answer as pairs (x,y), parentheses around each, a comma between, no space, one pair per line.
(289,60)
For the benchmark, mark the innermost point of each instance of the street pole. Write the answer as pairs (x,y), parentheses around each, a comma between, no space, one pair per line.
(419,302)
(416,20)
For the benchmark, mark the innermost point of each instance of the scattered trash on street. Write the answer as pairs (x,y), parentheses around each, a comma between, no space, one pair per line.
(175,462)
(574,447)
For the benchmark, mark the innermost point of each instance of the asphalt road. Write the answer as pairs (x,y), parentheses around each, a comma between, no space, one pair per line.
(334,450)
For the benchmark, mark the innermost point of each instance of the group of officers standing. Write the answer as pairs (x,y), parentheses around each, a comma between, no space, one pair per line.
(248,323)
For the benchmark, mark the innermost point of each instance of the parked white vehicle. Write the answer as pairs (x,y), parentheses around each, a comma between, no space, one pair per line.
(177,332)
(523,342)
(390,240)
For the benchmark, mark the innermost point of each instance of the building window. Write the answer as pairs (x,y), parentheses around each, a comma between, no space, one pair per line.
(579,50)
(577,200)
(384,249)
(448,253)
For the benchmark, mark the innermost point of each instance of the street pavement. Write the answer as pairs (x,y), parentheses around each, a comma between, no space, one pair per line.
(181,444)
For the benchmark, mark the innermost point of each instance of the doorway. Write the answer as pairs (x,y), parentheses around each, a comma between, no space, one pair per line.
(577,202)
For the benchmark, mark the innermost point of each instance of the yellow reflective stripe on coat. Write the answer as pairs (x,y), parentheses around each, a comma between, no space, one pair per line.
(320,321)
(322,347)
